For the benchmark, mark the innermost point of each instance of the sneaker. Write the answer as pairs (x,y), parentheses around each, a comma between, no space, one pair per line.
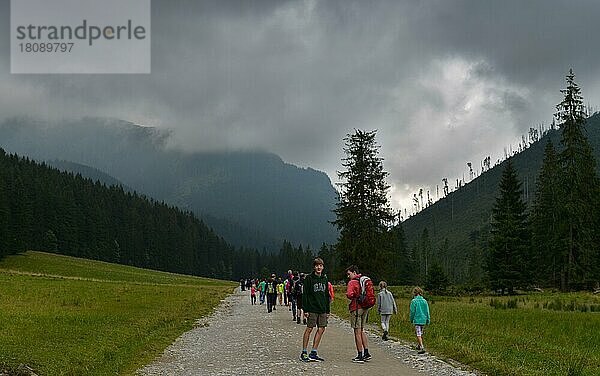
(298,320)
(304,357)
(358,359)
(421,350)
(294,318)
(385,336)
(367,357)
(316,358)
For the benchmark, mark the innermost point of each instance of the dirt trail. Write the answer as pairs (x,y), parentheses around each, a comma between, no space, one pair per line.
(241,339)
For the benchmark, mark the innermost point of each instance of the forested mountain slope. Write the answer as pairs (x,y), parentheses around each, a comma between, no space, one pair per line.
(44,209)
(463,217)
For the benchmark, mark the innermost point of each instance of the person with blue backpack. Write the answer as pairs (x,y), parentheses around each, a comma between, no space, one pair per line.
(361,293)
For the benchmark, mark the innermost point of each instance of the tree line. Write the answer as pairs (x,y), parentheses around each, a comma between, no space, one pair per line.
(552,243)
(42,208)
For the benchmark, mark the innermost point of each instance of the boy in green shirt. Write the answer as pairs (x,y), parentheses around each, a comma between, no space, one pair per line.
(315,302)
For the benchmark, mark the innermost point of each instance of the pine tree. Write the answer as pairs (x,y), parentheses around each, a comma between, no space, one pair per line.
(507,264)
(545,221)
(437,280)
(363,211)
(424,255)
(579,185)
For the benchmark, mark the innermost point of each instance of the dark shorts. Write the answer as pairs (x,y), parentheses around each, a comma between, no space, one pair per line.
(299,301)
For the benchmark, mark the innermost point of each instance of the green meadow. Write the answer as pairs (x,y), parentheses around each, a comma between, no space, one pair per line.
(67,316)
(534,334)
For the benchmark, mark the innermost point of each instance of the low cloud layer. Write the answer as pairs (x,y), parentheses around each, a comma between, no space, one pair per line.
(444,82)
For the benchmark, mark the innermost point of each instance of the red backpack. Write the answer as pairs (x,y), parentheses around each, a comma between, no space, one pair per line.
(367,293)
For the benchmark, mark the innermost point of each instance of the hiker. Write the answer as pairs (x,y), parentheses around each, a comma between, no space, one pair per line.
(242,285)
(288,288)
(386,306)
(291,297)
(271,293)
(419,316)
(262,288)
(358,315)
(253,294)
(280,290)
(298,289)
(315,301)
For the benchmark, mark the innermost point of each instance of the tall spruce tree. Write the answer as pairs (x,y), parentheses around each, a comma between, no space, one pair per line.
(579,190)
(363,211)
(549,262)
(508,259)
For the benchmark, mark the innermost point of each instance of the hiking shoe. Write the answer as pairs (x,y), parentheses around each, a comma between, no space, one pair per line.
(304,357)
(367,357)
(314,357)
(385,336)
(294,318)
(421,350)
(358,359)
(298,320)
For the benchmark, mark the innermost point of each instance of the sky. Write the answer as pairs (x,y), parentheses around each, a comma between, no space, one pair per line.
(443,82)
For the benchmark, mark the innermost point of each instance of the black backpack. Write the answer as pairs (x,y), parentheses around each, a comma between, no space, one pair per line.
(298,288)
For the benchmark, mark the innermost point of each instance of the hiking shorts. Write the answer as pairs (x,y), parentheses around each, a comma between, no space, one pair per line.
(358,318)
(316,319)
(419,330)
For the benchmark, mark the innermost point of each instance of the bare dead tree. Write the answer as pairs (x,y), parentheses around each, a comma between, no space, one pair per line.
(445,180)
(416,203)
(470,165)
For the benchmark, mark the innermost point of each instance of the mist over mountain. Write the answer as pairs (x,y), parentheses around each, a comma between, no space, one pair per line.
(253,199)
(86,172)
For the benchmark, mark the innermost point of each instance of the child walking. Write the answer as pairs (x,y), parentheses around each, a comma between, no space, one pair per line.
(253,294)
(386,306)
(419,316)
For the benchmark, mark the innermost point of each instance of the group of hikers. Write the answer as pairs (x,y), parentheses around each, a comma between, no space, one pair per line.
(309,298)
(273,289)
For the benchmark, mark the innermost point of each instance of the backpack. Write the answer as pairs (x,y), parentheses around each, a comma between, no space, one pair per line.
(331,291)
(367,293)
(298,288)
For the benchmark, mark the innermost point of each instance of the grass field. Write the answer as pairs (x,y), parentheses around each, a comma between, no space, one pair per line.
(66,316)
(542,334)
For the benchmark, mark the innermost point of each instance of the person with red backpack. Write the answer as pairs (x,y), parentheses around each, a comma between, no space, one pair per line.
(361,293)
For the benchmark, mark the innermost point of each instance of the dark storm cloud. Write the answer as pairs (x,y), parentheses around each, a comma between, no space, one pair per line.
(445,82)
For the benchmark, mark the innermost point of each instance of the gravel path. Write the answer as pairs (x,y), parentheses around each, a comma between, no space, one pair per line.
(241,339)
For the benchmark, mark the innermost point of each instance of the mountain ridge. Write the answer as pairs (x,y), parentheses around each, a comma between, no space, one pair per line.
(257,190)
